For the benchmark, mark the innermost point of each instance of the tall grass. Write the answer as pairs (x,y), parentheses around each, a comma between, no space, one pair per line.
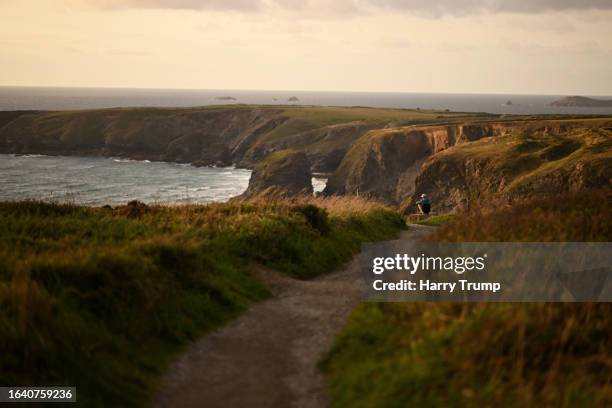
(446,354)
(101,298)
(338,205)
(571,217)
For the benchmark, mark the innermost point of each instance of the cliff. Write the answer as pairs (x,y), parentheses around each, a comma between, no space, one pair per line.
(202,137)
(519,165)
(286,173)
(389,164)
(384,163)
(389,154)
(239,134)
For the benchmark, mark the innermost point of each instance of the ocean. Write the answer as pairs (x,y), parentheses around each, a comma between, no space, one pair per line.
(103,180)
(38,98)
(99,181)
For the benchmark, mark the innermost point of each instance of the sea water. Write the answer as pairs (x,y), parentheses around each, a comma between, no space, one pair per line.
(98,181)
(49,98)
(102,180)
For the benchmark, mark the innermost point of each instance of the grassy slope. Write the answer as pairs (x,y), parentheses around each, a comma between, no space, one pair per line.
(311,117)
(330,115)
(524,156)
(305,125)
(445,354)
(101,298)
(521,164)
(81,129)
(119,126)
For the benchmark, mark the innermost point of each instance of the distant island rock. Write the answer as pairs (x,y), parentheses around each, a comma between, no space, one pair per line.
(508,103)
(581,102)
(293,99)
(225,98)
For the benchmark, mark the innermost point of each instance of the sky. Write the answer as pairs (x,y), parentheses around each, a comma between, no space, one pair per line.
(560,47)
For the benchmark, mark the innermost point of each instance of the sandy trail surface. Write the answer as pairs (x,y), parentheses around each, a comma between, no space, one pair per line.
(268,356)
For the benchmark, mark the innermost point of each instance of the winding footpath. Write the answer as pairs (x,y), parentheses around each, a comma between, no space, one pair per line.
(268,356)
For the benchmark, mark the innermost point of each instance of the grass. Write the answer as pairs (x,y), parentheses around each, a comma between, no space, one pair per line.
(436,220)
(526,157)
(330,115)
(527,162)
(103,298)
(204,134)
(585,216)
(469,355)
(318,129)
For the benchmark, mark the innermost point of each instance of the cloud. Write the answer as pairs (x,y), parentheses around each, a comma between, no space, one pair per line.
(468,7)
(239,5)
(339,7)
(335,7)
(394,43)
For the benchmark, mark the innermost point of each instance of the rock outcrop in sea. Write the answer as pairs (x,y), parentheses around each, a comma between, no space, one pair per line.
(285,173)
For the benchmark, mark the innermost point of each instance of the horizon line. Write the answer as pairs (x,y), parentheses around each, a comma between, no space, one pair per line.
(296,90)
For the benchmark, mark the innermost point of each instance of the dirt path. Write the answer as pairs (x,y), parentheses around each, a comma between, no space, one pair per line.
(268,356)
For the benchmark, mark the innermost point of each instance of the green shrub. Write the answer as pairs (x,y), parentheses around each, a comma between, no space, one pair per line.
(316,217)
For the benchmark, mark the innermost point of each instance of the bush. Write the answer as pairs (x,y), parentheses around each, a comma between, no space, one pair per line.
(316,217)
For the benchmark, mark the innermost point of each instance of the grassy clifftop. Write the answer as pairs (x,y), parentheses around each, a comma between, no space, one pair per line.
(455,162)
(518,165)
(464,355)
(223,135)
(101,298)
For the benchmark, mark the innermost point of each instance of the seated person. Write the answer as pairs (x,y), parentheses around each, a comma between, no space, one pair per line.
(424,204)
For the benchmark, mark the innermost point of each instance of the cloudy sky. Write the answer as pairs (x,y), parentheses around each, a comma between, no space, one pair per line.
(480,46)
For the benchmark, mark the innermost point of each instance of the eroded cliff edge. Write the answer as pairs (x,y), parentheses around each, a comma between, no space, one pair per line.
(199,136)
(522,164)
(457,162)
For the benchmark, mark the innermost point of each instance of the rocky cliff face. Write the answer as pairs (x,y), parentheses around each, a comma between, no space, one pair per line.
(324,146)
(385,163)
(397,164)
(285,172)
(516,166)
(203,136)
